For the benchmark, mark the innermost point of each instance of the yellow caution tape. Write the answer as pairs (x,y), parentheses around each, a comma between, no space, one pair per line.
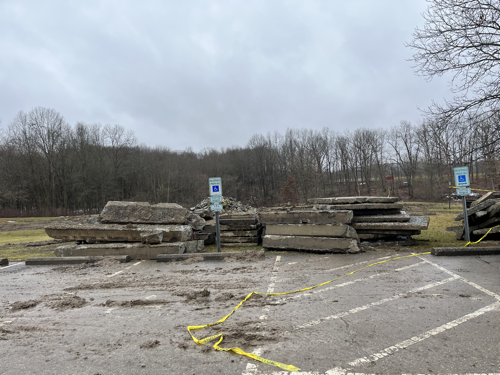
(473,243)
(456,187)
(256,357)
(389,191)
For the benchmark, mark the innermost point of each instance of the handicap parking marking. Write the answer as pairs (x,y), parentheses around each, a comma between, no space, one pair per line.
(129,267)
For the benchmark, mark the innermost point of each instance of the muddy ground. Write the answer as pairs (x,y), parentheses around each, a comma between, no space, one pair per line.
(422,314)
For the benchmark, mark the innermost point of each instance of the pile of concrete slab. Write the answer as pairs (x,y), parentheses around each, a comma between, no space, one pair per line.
(240,230)
(309,230)
(136,229)
(376,218)
(483,215)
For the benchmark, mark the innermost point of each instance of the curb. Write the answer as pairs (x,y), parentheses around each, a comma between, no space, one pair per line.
(457,251)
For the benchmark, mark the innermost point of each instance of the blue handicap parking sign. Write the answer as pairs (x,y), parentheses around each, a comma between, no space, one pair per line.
(215,188)
(461,178)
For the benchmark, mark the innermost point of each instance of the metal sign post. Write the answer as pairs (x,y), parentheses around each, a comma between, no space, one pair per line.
(215,184)
(461,181)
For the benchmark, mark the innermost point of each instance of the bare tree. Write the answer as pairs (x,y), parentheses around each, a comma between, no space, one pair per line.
(462,38)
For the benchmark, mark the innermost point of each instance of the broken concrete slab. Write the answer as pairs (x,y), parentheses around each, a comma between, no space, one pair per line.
(312,230)
(134,250)
(389,232)
(143,213)
(240,233)
(402,217)
(480,207)
(488,195)
(239,244)
(360,206)
(195,221)
(317,244)
(92,233)
(353,200)
(229,221)
(205,256)
(4,262)
(415,223)
(455,251)
(372,236)
(239,227)
(482,232)
(151,238)
(306,217)
(62,260)
(238,239)
(196,246)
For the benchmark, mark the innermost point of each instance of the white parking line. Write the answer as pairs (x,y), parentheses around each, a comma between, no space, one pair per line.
(488,292)
(414,340)
(12,265)
(119,272)
(251,367)
(377,303)
(322,290)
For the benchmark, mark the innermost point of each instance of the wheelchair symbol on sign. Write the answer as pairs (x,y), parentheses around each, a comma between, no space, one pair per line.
(215,189)
(461,178)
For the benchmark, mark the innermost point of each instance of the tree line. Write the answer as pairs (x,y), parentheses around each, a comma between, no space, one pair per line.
(48,166)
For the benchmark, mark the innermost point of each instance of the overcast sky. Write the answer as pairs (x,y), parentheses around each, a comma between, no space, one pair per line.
(213,73)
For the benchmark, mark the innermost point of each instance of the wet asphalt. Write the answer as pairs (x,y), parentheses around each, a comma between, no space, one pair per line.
(415,315)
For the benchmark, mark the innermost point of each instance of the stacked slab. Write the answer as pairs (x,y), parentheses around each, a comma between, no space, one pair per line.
(483,215)
(309,230)
(240,230)
(376,218)
(136,229)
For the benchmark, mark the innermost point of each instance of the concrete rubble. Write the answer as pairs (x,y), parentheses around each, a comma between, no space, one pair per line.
(483,215)
(240,230)
(376,218)
(135,229)
(309,230)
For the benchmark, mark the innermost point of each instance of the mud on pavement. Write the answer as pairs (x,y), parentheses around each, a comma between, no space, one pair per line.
(412,315)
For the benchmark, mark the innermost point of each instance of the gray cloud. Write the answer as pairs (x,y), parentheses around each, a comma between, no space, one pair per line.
(213,73)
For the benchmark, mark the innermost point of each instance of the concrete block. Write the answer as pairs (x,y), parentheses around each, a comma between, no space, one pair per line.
(402,217)
(454,251)
(317,244)
(151,238)
(353,200)
(194,247)
(239,244)
(415,223)
(239,227)
(240,233)
(143,213)
(479,207)
(205,256)
(4,262)
(389,232)
(229,221)
(195,221)
(134,250)
(360,206)
(62,260)
(239,239)
(92,233)
(306,217)
(482,232)
(312,230)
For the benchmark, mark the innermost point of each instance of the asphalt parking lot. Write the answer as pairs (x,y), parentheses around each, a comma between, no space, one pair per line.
(416,315)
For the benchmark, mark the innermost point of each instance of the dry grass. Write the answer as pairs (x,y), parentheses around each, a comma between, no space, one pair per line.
(21,253)
(24,220)
(436,235)
(21,236)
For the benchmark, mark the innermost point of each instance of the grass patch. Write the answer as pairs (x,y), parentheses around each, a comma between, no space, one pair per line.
(436,235)
(22,253)
(25,220)
(23,236)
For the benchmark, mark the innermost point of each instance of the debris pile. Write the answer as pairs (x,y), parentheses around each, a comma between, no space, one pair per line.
(310,230)
(240,230)
(376,218)
(484,214)
(229,204)
(136,229)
